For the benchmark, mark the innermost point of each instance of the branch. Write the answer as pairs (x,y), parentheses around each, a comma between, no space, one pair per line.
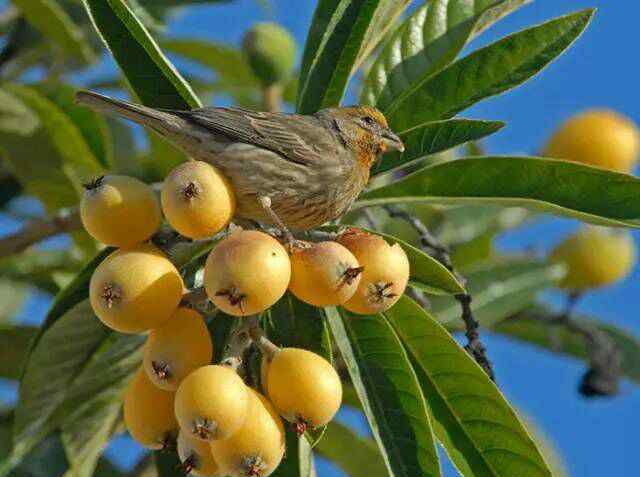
(272,98)
(39,230)
(433,247)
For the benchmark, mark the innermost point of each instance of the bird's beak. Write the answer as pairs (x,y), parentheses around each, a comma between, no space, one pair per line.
(392,142)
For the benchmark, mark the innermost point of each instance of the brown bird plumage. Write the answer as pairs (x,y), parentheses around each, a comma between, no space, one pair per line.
(310,169)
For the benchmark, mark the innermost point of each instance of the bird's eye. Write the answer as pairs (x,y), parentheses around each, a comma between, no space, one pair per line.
(369,120)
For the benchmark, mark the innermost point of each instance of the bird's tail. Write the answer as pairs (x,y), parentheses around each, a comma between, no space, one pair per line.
(164,122)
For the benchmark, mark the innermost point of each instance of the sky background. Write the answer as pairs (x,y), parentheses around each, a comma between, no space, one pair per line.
(594,437)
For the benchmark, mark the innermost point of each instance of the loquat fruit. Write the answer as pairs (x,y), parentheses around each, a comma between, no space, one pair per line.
(134,290)
(601,138)
(120,211)
(196,457)
(211,403)
(324,274)
(385,272)
(304,387)
(148,413)
(176,348)
(197,200)
(246,273)
(595,257)
(258,447)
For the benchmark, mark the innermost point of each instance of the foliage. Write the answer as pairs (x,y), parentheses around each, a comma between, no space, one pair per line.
(415,384)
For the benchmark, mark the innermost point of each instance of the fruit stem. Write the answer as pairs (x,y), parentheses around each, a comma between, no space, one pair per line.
(266,347)
(239,342)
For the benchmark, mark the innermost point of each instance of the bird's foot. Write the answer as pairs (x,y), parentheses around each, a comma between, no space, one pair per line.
(286,235)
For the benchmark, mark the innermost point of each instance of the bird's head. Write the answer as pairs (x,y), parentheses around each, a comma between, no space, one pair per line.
(365,130)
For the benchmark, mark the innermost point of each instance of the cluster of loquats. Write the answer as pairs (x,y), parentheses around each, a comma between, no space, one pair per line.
(220,425)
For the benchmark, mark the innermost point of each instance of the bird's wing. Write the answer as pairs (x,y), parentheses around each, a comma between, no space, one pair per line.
(268,130)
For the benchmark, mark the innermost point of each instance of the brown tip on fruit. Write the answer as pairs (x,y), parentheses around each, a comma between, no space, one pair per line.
(349,275)
(190,191)
(161,370)
(189,464)
(253,466)
(235,297)
(204,429)
(94,183)
(382,292)
(300,426)
(111,295)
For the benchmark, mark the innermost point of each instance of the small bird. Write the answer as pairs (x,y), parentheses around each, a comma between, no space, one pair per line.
(289,170)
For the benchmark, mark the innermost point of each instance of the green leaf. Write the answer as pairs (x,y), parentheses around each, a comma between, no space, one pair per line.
(14,349)
(92,126)
(533,327)
(389,391)
(427,41)
(486,72)
(166,463)
(50,19)
(152,77)
(79,163)
(336,37)
(382,23)
(562,188)
(499,289)
(434,137)
(356,456)
(72,382)
(481,433)
(92,405)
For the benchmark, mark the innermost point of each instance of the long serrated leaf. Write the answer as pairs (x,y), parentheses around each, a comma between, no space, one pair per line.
(51,20)
(155,81)
(486,72)
(427,41)
(77,161)
(533,327)
(355,455)
(480,431)
(499,289)
(335,39)
(558,187)
(389,391)
(434,137)
(91,125)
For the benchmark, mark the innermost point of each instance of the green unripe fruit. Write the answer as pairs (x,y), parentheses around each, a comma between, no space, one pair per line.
(271,52)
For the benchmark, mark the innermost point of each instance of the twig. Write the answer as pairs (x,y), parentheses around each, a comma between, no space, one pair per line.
(603,376)
(39,230)
(239,342)
(433,247)
(272,97)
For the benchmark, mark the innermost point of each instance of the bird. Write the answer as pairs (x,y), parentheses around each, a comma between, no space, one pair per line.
(296,172)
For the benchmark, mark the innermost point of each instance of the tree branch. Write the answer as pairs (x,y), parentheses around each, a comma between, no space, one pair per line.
(433,247)
(39,230)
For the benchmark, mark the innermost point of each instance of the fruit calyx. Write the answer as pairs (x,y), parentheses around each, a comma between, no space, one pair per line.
(234,295)
(204,429)
(93,183)
(111,294)
(253,466)
(161,370)
(381,291)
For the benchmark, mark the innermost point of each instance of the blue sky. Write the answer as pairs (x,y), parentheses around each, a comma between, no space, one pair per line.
(594,437)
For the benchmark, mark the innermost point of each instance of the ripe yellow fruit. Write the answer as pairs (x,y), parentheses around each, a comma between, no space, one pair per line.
(247,273)
(211,403)
(177,348)
(599,137)
(258,447)
(304,387)
(197,458)
(134,290)
(385,272)
(197,200)
(595,257)
(148,413)
(324,274)
(120,211)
